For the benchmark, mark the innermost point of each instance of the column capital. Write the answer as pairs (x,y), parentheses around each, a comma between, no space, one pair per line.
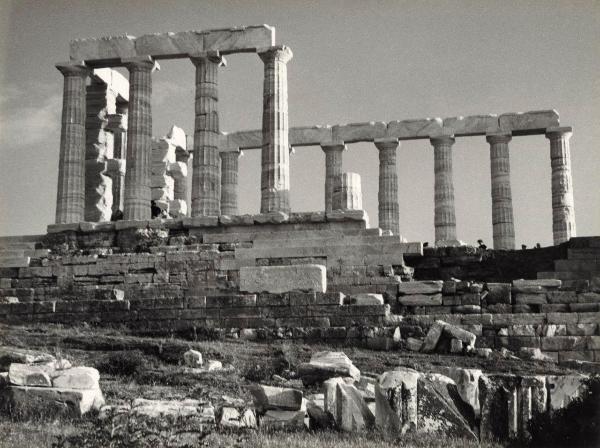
(333,146)
(386,143)
(279,52)
(557,132)
(73,68)
(141,63)
(211,56)
(230,151)
(442,139)
(498,137)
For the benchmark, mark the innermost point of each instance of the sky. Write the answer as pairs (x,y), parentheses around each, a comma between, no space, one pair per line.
(354,61)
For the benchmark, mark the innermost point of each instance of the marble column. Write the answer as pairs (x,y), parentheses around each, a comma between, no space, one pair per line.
(347,192)
(389,215)
(139,139)
(563,208)
(70,196)
(116,169)
(275,166)
(229,181)
(206,173)
(502,209)
(444,215)
(333,169)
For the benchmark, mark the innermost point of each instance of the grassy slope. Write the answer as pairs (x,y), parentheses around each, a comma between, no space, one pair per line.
(159,375)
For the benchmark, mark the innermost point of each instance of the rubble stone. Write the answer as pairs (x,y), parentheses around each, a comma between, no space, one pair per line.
(325,365)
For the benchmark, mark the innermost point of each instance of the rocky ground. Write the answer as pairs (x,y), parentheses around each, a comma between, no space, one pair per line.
(150,368)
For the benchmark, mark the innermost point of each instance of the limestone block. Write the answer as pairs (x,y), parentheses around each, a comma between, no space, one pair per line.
(534,354)
(310,135)
(498,293)
(26,402)
(22,356)
(271,218)
(29,375)
(276,419)
(456,345)
(172,409)
(420,299)
(530,299)
(278,398)
(192,358)
(330,395)
(364,299)
(543,284)
(413,344)
(325,365)
(396,401)
(232,418)
(529,122)
(241,140)
(359,132)
(472,125)
(439,409)
(581,329)
(420,287)
(467,384)
(564,389)
(458,333)
(433,336)
(278,279)
(411,129)
(352,411)
(76,378)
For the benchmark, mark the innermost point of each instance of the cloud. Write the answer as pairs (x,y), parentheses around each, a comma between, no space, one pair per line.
(26,124)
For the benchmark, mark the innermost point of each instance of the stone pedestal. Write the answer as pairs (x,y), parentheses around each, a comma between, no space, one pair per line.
(563,208)
(502,209)
(70,196)
(206,173)
(275,166)
(229,181)
(333,169)
(389,215)
(444,215)
(347,192)
(139,139)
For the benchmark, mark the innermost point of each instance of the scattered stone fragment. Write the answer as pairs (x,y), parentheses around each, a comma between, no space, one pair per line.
(28,375)
(76,378)
(212,365)
(483,352)
(467,384)
(462,335)
(456,345)
(325,365)
(353,414)
(232,418)
(364,299)
(279,398)
(433,336)
(534,354)
(413,344)
(274,419)
(22,356)
(396,401)
(193,358)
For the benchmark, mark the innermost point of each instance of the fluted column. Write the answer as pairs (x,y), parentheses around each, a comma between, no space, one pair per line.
(229,181)
(389,215)
(333,169)
(275,165)
(70,195)
(139,139)
(444,215)
(206,173)
(502,209)
(563,208)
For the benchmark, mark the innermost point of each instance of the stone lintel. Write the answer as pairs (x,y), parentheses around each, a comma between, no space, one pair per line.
(528,123)
(359,132)
(105,51)
(142,62)
(472,125)
(558,131)
(414,129)
(114,81)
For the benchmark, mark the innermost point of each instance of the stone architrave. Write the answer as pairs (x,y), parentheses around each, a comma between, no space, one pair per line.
(206,173)
(347,192)
(229,181)
(139,138)
(563,208)
(70,196)
(333,169)
(275,163)
(389,215)
(445,215)
(502,209)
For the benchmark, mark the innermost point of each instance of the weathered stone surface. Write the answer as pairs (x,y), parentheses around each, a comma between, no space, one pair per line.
(330,395)
(521,285)
(22,356)
(76,378)
(472,125)
(420,287)
(192,358)
(396,401)
(232,418)
(278,279)
(268,397)
(27,402)
(529,122)
(160,409)
(564,389)
(433,336)
(359,132)
(463,335)
(467,384)
(274,419)
(439,408)
(364,299)
(420,299)
(29,375)
(535,354)
(315,408)
(347,192)
(410,129)
(325,365)
(413,344)
(352,411)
